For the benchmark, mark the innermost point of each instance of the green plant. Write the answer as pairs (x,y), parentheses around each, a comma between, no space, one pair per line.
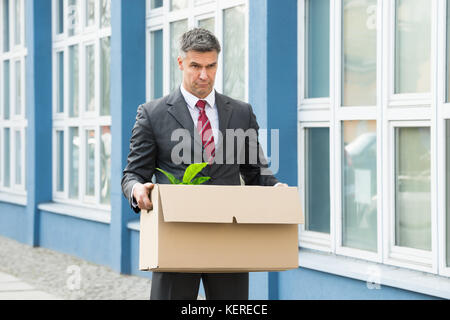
(189,175)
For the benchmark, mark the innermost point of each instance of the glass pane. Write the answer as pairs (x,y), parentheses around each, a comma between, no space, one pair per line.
(412,46)
(105,13)
(359,185)
(317,53)
(6,90)
(90,12)
(73,81)
(74,154)
(234,52)
(207,24)
(105,165)
(447,196)
(90,162)
(448,53)
(105,76)
(18,89)
(60,18)
(5,25)
(176,30)
(18,157)
(156,4)
(178,4)
(60,82)
(17,22)
(317,179)
(90,78)
(359,53)
(6,158)
(60,161)
(412,188)
(156,64)
(72,15)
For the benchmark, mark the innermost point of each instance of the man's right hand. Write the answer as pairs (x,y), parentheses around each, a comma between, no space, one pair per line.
(141,194)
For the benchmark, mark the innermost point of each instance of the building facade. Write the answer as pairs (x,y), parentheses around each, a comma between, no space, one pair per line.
(352,97)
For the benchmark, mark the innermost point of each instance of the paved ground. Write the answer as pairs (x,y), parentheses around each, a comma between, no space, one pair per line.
(39,273)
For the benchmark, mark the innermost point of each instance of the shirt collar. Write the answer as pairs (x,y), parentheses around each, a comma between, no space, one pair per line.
(191,100)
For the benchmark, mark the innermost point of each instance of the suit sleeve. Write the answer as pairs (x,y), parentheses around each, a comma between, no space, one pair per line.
(255,172)
(142,156)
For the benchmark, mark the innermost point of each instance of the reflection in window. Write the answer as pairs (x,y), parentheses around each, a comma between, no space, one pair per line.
(448,53)
(317,179)
(156,64)
(105,165)
(17,22)
(5,19)
(72,17)
(207,24)
(90,12)
(412,188)
(73,81)
(359,185)
(90,78)
(233,53)
(105,13)
(412,46)
(176,30)
(6,89)
(18,84)
(18,157)
(359,53)
(90,162)
(60,82)
(317,53)
(74,156)
(59,161)
(156,4)
(105,75)
(7,157)
(60,16)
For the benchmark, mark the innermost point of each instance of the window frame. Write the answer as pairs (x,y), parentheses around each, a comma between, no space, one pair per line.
(391,110)
(16,122)
(86,120)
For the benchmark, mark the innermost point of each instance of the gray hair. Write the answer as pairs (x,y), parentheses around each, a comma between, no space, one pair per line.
(198,39)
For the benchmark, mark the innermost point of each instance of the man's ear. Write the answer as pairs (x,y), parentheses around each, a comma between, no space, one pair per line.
(180,63)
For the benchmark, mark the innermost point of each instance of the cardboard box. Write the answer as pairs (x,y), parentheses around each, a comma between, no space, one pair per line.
(220,229)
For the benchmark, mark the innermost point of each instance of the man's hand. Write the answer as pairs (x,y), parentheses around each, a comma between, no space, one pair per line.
(281,185)
(141,194)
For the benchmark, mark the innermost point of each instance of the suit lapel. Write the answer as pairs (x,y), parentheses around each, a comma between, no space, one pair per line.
(224,111)
(179,110)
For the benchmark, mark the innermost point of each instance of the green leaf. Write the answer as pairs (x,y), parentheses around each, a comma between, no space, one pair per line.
(192,171)
(200,180)
(169,176)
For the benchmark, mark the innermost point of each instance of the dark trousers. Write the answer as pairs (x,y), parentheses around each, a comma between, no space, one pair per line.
(185,286)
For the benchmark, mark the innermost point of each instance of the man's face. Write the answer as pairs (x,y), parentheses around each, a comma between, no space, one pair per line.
(199,72)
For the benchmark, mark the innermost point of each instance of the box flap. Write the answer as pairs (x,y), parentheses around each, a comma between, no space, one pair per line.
(228,204)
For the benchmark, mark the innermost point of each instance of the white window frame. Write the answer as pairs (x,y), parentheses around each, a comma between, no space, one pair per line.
(311,239)
(16,122)
(160,19)
(86,120)
(426,109)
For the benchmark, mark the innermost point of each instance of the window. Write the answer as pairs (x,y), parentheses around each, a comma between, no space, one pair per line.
(388,115)
(82,113)
(317,53)
(168,20)
(13,121)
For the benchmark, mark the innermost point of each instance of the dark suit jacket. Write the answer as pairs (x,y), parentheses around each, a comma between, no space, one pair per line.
(152,147)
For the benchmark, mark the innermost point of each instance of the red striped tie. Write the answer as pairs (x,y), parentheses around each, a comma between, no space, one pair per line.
(205,131)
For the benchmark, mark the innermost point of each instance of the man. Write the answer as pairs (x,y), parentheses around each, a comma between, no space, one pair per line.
(204,116)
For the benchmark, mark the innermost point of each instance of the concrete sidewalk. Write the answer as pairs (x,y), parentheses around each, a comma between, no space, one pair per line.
(12,288)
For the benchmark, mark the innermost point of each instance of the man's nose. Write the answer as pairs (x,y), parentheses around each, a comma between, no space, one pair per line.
(203,74)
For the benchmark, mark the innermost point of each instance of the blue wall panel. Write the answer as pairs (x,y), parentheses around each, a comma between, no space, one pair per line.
(310,284)
(13,220)
(85,239)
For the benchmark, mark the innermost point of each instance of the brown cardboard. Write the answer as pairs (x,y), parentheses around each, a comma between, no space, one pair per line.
(220,229)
